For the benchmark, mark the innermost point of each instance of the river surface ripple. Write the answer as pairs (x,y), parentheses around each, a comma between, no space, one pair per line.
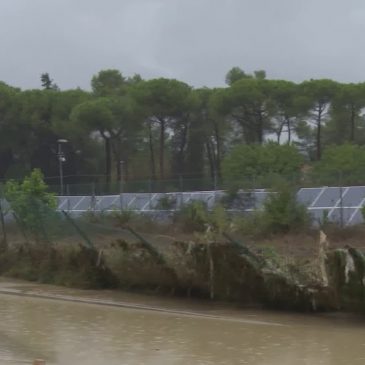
(67,333)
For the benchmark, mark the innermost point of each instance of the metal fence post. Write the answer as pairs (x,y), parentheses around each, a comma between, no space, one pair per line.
(121,185)
(341,200)
(254,191)
(93,197)
(215,182)
(181,188)
(150,194)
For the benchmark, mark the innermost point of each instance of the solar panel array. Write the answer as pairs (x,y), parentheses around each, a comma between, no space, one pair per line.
(341,203)
(337,204)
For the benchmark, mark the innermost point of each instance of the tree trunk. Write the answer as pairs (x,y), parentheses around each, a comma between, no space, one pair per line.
(210,159)
(108,161)
(152,153)
(352,124)
(162,148)
(116,148)
(6,160)
(318,138)
(289,129)
(260,127)
(219,151)
(182,151)
(279,132)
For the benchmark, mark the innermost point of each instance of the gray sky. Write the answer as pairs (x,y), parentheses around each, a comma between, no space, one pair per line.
(196,41)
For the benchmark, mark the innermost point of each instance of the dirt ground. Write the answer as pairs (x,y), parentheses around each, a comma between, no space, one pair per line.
(295,245)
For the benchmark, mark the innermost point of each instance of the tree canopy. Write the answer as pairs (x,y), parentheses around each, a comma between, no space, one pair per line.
(161,129)
(259,162)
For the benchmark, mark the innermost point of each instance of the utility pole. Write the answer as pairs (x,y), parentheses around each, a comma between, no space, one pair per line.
(121,184)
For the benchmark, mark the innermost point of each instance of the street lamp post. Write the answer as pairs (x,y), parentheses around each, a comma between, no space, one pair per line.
(61,160)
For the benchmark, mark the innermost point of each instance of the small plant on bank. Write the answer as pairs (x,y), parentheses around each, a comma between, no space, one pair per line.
(166,202)
(123,217)
(193,217)
(219,219)
(282,212)
(271,254)
(230,198)
(33,206)
(363,212)
(93,216)
(324,221)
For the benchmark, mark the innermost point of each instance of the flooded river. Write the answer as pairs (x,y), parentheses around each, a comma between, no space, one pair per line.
(66,333)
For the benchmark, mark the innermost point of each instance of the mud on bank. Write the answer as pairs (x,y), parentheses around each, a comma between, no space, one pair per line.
(323,279)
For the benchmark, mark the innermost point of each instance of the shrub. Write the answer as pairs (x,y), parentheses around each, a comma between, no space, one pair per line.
(166,202)
(33,206)
(340,165)
(123,217)
(219,219)
(193,217)
(249,224)
(252,166)
(283,213)
(92,216)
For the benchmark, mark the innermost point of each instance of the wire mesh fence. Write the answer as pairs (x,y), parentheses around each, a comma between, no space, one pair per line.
(74,185)
(126,227)
(336,202)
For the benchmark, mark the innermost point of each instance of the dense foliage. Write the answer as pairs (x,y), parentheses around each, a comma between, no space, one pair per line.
(344,163)
(31,203)
(165,129)
(262,163)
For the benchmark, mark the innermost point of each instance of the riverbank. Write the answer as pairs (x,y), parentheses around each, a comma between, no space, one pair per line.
(227,271)
(315,278)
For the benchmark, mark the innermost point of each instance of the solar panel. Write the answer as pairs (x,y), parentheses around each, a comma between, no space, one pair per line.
(327,198)
(307,195)
(354,196)
(337,204)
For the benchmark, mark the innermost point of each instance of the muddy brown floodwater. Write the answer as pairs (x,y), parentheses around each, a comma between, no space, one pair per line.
(66,333)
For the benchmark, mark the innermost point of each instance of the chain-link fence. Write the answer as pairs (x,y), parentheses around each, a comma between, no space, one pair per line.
(141,236)
(336,202)
(102,185)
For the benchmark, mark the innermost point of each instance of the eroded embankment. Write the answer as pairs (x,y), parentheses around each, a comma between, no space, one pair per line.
(223,271)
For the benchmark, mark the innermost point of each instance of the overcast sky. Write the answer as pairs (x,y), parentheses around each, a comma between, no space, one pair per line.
(196,41)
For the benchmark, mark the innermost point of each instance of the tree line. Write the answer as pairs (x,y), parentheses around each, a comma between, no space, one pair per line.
(164,128)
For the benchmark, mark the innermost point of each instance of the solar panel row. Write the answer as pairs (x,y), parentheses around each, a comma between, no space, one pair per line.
(335,203)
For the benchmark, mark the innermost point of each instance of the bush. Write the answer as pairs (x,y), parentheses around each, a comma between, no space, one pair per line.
(193,217)
(92,216)
(249,224)
(166,202)
(251,166)
(33,206)
(219,219)
(340,165)
(124,217)
(282,212)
